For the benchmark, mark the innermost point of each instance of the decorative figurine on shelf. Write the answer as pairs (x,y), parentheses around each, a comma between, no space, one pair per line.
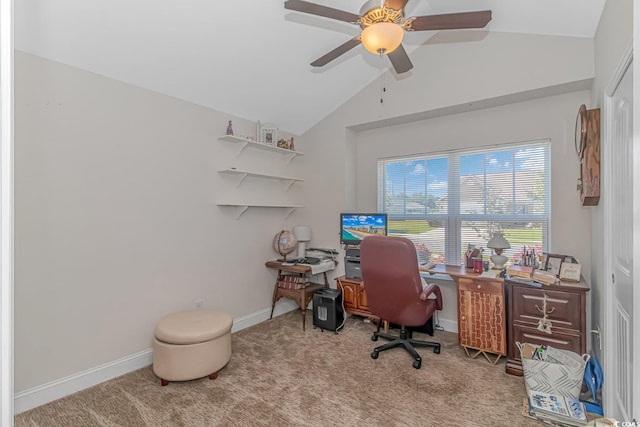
(229,128)
(291,146)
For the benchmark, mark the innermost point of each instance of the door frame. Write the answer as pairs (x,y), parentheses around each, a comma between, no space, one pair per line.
(608,396)
(6,212)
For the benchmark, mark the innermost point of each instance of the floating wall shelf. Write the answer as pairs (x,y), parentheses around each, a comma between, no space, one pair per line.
(291,154)
(244,174)
(242,207)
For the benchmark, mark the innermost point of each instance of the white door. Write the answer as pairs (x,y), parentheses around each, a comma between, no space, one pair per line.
(620,373)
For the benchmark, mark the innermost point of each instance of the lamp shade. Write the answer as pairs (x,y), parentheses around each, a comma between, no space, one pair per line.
(382,37)
(302,233)
(497,241)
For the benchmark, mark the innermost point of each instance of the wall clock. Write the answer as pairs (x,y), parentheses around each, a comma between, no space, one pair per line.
(581,131)
(587,144)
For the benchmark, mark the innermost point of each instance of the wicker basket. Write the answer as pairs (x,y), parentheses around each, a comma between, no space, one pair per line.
(561,379)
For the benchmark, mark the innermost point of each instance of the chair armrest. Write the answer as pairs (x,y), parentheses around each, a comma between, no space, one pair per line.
(432,288)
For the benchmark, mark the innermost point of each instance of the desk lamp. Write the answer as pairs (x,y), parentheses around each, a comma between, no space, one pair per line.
(303,235)
(498,243)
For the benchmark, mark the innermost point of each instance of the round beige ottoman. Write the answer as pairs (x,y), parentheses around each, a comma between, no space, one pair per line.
(191,344)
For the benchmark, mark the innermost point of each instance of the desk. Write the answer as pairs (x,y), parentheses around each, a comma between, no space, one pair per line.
(291,282)
(563,305)
(481,311)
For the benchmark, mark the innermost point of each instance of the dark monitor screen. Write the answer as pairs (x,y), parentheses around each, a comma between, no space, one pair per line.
(356,226)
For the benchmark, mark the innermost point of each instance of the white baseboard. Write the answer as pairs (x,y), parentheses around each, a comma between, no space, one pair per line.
(57,389)
(283,306)
(448,325)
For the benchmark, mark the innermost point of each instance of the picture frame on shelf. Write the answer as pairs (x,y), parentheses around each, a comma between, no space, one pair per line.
(553,263)
(283,143)
(268,135)
(570,271)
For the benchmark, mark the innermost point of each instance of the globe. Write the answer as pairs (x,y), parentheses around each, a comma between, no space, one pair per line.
(284,242)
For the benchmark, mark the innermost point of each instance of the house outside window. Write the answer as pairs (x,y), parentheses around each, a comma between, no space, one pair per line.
(446,201)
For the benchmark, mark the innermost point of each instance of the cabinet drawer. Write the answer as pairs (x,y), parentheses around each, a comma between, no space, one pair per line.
(484,286)
(362,299)
(349,294)
(564,309)
(564,341)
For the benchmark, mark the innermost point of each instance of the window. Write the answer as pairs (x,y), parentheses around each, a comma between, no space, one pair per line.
(446,201)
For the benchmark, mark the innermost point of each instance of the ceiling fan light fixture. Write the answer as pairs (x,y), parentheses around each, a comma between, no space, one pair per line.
(382,37)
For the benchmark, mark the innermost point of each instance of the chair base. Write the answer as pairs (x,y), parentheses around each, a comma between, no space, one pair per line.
(405,341)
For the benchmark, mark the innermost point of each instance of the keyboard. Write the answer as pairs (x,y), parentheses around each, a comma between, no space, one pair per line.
(308,260)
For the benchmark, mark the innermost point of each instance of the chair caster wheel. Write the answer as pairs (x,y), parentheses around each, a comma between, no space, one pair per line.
(374,354)
(436,350)
(374,337)
(417,364)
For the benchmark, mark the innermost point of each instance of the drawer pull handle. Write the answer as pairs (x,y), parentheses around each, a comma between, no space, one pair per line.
(543,310)
(544,324)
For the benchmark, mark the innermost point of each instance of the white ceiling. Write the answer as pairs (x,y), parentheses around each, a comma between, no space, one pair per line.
(250,58)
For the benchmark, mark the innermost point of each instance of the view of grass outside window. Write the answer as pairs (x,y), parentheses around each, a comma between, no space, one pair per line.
(446,201)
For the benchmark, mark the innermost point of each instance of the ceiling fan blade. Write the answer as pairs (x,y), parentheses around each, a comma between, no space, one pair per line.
(395,4)
(400,60)
(343,48)
(316,9)
(451,21)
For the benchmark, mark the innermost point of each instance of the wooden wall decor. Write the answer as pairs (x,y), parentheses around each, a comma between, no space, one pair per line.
(588,149)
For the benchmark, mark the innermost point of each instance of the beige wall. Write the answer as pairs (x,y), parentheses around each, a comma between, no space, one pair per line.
(116,222)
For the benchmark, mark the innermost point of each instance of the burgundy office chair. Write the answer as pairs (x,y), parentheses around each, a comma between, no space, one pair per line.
(394,291)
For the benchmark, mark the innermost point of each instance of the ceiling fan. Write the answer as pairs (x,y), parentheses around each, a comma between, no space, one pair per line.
(383,25)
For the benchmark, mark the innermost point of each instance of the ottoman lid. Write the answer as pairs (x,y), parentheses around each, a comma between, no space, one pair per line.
(193,326)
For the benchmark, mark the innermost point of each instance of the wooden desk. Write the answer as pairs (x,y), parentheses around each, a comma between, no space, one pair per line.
(482,325)
(291,282)
(562,305)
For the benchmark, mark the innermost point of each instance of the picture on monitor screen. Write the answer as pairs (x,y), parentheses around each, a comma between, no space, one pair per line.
(356,226)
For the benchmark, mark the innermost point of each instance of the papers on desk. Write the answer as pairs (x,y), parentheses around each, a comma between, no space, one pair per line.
(426,266)
(321,267)
(491,274)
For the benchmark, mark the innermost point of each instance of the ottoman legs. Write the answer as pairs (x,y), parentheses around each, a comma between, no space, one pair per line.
(211,377)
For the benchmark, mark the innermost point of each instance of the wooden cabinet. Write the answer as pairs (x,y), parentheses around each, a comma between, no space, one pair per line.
(355,299)
(482,324)
(481,317)
(553,315)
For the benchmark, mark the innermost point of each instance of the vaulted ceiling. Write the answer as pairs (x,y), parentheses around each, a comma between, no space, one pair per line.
(250,58)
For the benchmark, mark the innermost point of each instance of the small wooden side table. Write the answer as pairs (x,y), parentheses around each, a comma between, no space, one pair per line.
(482,323)
(291,282)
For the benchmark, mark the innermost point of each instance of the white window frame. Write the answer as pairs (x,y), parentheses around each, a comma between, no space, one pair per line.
(453,218)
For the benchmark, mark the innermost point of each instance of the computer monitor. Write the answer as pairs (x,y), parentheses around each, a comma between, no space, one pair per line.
(354,227)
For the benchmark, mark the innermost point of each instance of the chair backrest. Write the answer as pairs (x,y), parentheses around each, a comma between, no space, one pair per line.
(392,281)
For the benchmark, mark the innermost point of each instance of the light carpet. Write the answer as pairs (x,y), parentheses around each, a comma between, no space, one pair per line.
(281,376)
